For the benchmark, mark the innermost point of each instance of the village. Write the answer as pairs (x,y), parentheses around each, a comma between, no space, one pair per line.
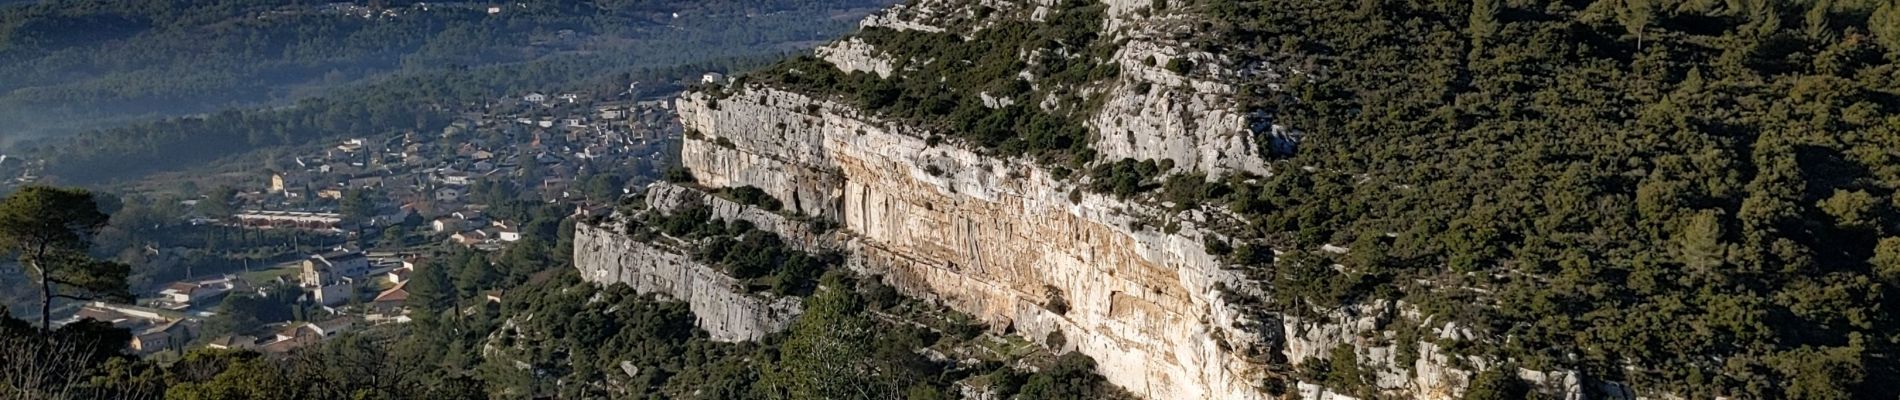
(389,203)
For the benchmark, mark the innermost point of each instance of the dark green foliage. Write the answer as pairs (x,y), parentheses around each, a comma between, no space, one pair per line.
(51,229)
(1685,196)
(751,195)
(431,288)
(753,254)
(947,74)
(1181,65)
(759,257)
(1125,177)
(359,204)
(1497,383)
(828,353)
(678,175)
(1188,191)
(244,313)
(605,187)
(1343,373)
(1072,377)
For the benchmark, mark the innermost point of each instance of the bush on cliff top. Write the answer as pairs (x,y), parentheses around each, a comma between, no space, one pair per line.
(945,77)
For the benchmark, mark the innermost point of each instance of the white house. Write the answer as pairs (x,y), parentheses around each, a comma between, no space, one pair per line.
(400,275)
(535,98)
(182,295)
(327,269)
(446,224)
(332,295)
(352,145)
(332,327)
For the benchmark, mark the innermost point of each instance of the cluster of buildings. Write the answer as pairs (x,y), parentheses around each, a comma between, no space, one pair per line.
(185,295)
(285,338)
(323,221)
(174,317)
(152,329)
(546,146)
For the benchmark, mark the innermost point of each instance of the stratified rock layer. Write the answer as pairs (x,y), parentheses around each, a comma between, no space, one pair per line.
(719,302)
(996,238)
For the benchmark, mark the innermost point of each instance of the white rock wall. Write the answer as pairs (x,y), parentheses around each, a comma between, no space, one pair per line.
(719,303)
(854,55)
(1156,113)
(1434,373)
(995,238)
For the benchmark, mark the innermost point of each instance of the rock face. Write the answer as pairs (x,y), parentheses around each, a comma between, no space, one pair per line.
(1433,371)
(1001,238)
(668,198)
(997,238)
(719,302)
(1156,112)
(853,55)
(1127,283)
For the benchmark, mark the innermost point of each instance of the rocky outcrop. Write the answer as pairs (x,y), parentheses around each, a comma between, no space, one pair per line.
(1003,239)
(719,302)
(996,238)
(1432,371)
(1172,102)
(854,55)
(668,198)
(1156,113)
(1128,283)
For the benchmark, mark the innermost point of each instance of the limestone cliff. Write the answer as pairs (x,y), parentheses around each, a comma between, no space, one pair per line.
(1020,245)
(719,302)
(1000,239)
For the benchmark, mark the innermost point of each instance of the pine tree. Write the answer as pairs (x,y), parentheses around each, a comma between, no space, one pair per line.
(430,290)
(51,229)
(1885,24)
(824,355)
(1700,243)
(1484,21)
(1886,261)
(1815,22)
(1636,16)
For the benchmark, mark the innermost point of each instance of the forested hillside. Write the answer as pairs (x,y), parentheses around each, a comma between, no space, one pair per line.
(1691,197)
(75,64)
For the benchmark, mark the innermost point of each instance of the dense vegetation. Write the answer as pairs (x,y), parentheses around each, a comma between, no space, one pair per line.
(947,78)
(78,63)
(737,248)
(1695,197)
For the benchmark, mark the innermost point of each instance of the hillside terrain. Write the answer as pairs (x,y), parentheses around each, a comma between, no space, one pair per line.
(1189,199)
(1363,199)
